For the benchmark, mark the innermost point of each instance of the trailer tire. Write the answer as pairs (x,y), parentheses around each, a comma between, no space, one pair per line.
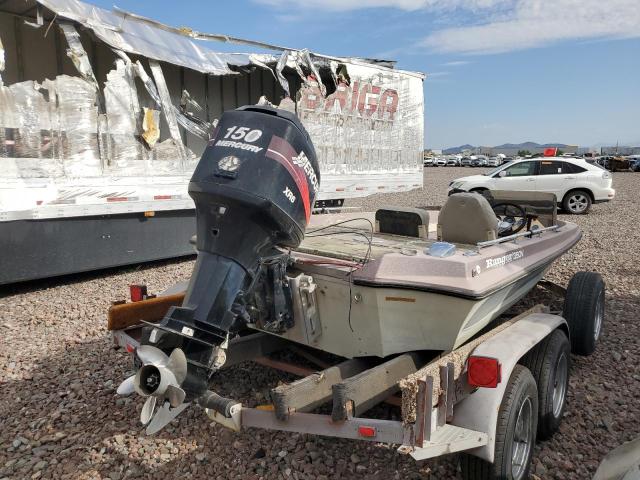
(584,311)
(520,403)
(550,363)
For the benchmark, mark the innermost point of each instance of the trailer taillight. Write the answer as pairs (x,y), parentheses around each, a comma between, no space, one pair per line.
(138,292)
(368,432)
(484,372)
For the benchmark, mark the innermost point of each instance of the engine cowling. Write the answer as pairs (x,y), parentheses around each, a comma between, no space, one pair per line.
(254,189)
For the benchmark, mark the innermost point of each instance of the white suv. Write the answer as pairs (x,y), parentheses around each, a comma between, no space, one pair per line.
(576,183)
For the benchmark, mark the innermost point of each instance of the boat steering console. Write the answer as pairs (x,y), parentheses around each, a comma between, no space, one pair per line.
(512,218)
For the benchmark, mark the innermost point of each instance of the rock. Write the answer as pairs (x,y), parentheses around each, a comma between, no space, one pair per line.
(282,453)
(616,356)
(355,458)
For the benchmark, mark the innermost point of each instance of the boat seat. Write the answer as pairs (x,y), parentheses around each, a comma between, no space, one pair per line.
(467,218)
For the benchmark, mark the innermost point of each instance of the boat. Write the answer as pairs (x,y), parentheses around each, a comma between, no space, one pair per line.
(351,284)
(400,298)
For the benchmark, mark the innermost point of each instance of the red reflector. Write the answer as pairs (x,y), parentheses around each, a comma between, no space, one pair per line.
(138,292)
(484,372)
(550,152)
(130,348)
(367,431)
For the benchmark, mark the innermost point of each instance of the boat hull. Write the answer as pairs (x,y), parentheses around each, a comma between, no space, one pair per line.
(383,321)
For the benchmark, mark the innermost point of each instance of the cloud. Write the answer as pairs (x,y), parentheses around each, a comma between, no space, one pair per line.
(457,63)
(437,74)
(407,5)
(538,23)
(500,25)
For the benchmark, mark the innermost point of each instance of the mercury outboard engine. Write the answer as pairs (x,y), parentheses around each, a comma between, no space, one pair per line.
(254,189)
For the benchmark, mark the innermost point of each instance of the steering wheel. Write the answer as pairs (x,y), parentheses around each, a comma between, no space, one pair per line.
(512,218)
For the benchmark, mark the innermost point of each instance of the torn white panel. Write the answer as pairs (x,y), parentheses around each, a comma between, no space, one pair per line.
(167,107)
(305,58)
(26,133)
(49,130)
(282,62)
(77,53)
(125,153)
(262,60)
(78,125)
(287,104)
(369,131)
(1,58)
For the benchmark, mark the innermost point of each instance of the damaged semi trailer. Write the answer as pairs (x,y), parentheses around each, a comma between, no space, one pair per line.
(104,115)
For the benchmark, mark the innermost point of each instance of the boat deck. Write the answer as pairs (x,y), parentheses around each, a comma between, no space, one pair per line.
(350,241)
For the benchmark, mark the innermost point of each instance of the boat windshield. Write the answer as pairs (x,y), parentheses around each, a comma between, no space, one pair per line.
(494,170)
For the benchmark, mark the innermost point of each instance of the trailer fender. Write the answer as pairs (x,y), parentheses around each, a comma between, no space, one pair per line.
(479,411)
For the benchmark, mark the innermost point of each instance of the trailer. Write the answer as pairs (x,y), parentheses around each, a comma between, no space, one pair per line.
(104,115)
(489,400)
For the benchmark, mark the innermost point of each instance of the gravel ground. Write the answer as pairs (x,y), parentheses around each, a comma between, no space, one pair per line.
(61,417)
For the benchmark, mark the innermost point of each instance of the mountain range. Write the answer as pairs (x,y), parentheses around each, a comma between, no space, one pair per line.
(519,146)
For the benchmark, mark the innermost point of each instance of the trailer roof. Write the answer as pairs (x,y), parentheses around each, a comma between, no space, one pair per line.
(182,46)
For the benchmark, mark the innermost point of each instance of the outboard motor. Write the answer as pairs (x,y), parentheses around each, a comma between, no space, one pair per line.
(254,189)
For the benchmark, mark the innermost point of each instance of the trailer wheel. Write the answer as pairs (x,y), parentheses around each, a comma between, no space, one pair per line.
(584,311)
(550,362)
(515,433)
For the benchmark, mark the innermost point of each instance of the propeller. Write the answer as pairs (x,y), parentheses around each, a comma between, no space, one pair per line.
(159,379)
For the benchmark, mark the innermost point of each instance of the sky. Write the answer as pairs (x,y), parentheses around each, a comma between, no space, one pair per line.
(498,71)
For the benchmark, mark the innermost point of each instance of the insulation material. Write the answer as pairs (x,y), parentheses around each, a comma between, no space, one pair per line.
(167,107)
(77,53)
(27,125)
(374,125)
(77,114)
(125,153)
(151,126)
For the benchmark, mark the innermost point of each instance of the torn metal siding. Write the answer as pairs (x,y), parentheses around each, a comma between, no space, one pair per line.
(1,59)
(134,35)
(371,126)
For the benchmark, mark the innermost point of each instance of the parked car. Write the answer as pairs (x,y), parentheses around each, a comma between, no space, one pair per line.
(476,162)
(465,162)
(428,162)
(452,162)
(493,162)
(576,183)
(441,162)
